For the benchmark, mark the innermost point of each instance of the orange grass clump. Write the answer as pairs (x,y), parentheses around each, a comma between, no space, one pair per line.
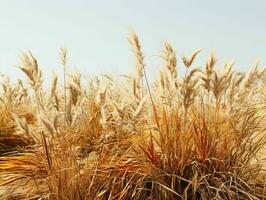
(198,136)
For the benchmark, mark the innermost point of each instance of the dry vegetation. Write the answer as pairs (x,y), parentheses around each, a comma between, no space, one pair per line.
(199,136)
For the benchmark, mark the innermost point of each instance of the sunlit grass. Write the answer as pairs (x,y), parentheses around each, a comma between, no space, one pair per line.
(197,136)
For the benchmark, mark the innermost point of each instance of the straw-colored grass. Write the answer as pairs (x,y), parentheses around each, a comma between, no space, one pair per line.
(200,135)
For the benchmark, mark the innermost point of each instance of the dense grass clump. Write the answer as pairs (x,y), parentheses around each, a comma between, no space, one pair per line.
(197,136)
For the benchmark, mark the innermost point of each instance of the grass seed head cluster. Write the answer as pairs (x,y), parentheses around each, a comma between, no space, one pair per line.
(197,136)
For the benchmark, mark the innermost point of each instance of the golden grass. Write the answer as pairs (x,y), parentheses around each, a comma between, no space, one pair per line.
(197,136)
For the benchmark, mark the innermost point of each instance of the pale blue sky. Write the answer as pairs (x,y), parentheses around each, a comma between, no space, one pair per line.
(95,32)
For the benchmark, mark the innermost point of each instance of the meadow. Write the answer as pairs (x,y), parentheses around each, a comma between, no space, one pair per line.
(197,136)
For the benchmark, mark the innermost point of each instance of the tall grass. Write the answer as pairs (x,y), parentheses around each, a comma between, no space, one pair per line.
(197,136)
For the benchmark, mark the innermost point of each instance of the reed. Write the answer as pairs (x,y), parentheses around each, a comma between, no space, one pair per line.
(197,136)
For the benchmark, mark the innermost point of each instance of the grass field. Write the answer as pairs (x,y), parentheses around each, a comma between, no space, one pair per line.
(197,136)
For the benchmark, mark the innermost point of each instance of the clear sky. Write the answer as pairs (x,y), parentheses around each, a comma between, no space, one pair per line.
(95,32)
